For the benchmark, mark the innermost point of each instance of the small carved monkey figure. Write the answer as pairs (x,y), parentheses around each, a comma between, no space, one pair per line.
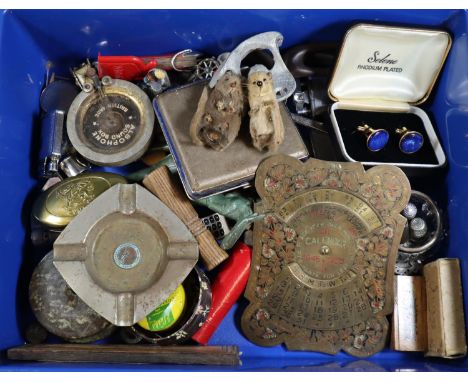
(266,124)
(218,118)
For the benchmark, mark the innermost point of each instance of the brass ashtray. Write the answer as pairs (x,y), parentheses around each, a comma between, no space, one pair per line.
(125,253)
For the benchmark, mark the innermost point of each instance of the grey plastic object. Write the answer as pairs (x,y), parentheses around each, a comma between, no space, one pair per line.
(283,81)
(125,253)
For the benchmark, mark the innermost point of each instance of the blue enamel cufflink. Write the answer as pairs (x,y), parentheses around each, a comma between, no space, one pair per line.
(376,139)
(410,141)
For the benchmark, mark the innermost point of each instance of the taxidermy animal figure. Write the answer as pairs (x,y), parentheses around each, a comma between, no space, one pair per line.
(266,124)
(218,118)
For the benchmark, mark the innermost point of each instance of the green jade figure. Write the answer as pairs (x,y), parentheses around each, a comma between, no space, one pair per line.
(233,206)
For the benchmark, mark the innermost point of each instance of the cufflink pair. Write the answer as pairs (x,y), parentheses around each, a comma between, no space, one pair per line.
(410,141)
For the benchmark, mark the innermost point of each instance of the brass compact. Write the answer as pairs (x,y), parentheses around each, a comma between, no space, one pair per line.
(57,206)
(324,253)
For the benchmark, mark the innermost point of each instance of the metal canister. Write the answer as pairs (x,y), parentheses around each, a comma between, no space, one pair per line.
(111,126)
(60,310)
(422,235)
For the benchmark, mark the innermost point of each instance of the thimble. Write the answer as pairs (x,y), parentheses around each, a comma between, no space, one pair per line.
(418,228)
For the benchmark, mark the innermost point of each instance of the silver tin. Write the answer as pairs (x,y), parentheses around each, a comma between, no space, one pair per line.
(204,171)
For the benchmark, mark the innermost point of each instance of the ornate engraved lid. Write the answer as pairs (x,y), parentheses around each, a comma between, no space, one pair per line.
(57,206)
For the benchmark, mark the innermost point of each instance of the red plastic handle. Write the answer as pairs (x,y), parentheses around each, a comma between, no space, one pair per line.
(130,68)
(226,290)
(133,68)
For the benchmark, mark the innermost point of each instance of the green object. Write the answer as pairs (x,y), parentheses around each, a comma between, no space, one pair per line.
(236,232)
(167,314)
(139,175)
(232,205)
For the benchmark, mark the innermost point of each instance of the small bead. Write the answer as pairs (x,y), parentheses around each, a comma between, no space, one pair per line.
(410,211)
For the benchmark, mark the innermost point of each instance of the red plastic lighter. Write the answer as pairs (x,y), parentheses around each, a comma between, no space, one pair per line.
(133,68)
(226,289)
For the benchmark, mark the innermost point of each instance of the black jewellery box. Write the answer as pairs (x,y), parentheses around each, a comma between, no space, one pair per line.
(381,74)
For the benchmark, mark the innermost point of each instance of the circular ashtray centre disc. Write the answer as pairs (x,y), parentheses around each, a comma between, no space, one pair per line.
(110,123)
(326,245)
(127,256)
(128,253)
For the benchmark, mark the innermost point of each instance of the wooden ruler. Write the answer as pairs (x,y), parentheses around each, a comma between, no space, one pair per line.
(178,355)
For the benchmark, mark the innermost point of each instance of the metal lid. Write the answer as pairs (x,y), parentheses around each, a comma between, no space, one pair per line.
(60,310)
(113,126)
(125,253)
(57,206)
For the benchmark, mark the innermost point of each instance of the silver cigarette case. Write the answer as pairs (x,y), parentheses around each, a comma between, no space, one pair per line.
(204,171)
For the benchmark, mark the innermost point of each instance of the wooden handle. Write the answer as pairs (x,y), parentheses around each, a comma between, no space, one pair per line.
(161,183)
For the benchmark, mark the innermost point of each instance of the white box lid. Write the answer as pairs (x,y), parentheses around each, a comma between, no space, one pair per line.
(388,64)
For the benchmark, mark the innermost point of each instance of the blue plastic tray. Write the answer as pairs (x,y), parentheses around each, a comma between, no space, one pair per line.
(31,39)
